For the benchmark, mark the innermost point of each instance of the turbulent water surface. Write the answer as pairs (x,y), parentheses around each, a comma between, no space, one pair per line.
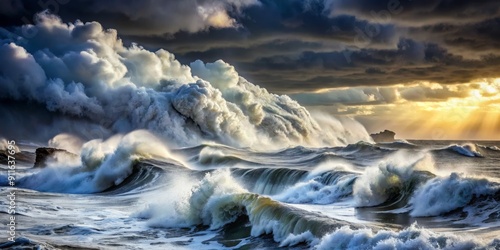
(402,195)
(158,154)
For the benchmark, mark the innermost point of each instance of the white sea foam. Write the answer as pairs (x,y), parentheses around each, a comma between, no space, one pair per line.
(217,200)
(102,165)
(316,192)
(444,194)
(412,237)
(186,202)
(4,145)
(468,149)
(82,70)
(315,189)
(373,186)
(68,142)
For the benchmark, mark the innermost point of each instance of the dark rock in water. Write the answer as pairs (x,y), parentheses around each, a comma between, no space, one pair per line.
(384,136)
(3,157)
(43,155)
(19,157)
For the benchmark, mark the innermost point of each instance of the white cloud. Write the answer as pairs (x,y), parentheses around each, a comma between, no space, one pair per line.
(350,96)
(82,70)
(174,16)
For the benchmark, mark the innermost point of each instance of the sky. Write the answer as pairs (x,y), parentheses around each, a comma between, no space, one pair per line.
(425,69)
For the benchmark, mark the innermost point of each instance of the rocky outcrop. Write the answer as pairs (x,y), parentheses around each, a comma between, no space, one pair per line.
(44,155)
(19,157)
(384,136)
(3,157)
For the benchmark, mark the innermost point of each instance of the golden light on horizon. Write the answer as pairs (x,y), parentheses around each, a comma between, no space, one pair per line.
(476,116)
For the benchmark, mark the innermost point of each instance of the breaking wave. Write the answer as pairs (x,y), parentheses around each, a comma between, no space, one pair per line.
(218,200)
(82,71)
(442,195)
(412,237)
(103,165)
(469,150)
(242,153)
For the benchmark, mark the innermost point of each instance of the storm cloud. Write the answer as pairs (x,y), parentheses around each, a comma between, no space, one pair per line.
(359,56)
(291,46)
(83,71)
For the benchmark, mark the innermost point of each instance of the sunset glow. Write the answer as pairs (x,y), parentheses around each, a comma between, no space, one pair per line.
(250,124)
(474,117)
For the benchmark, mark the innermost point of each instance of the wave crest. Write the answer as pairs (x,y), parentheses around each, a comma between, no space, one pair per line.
(81,70)
(442,195)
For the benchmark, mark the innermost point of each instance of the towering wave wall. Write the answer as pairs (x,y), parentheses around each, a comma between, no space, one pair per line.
(80,71)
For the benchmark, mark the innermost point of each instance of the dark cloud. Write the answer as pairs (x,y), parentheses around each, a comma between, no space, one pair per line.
(415,13)
(420,93)
(369,96)
(468,40)
(136,17)
(11,8)
(82,71)
(292,46)
(409,63)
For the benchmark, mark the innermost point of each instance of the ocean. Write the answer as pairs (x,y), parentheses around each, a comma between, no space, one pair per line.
(400,195)
(144,151)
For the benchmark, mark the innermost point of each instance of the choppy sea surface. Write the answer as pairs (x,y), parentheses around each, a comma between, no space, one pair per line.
(400,195)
